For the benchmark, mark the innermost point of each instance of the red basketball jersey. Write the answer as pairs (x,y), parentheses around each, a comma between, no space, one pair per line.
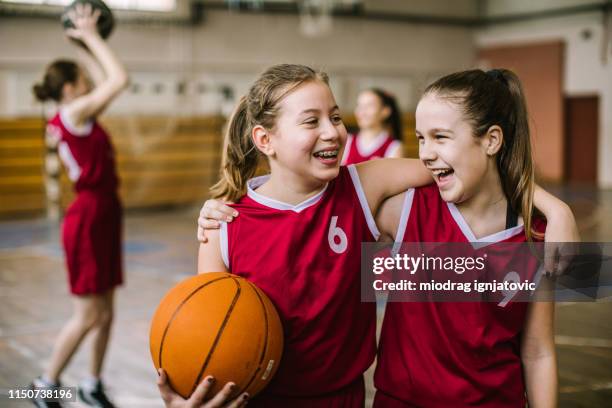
(451,354)
(382,146)
(306,258)
(91,230)
(87,154)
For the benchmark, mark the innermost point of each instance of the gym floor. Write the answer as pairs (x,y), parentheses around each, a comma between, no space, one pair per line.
(160,250)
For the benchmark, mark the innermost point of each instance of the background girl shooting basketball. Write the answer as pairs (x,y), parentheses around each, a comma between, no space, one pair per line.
(91,230)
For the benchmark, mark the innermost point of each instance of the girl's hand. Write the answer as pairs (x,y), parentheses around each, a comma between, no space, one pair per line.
(561,238)
(212,213)
(84,20)
(174,400)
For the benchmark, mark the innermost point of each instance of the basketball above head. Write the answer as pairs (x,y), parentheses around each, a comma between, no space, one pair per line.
(106,21)
(216,324)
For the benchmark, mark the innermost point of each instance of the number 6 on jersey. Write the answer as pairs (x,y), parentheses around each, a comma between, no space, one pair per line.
(334,234)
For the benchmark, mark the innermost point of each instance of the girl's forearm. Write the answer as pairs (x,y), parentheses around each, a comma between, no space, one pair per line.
(92,66)
(109,62)
(541,381)
(384,178)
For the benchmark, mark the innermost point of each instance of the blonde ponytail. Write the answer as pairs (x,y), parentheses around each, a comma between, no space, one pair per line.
(240,157)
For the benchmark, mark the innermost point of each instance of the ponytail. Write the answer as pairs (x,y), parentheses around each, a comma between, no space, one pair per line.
(56,76)
(240,156)
(515,163)
(40,92)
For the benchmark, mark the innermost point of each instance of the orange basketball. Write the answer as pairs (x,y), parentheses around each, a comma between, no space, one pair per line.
(216,324)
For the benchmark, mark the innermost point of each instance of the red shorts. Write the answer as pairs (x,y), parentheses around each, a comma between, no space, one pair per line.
(351,396)
(91,234)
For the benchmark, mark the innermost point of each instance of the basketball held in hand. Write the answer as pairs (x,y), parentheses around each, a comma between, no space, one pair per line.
(216,324)
(106,21)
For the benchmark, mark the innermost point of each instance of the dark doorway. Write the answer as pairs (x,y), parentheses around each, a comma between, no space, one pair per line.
(581,133)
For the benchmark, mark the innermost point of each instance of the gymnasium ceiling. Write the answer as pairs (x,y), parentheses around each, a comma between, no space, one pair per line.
(471,13)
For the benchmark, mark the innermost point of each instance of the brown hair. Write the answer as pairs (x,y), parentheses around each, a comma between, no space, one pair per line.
(394,121)
(57,74)
(492,98)
(258,107)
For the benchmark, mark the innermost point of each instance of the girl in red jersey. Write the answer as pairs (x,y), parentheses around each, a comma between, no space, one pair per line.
(380,128)
(474,138)
(298,237)
(91,229)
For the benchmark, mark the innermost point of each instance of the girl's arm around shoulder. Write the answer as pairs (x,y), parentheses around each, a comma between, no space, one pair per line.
(209,254)
(384,178)
(558,212)
(561,231)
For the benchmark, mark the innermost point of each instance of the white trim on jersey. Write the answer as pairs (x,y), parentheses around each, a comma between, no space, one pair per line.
(223,244)
(347,149)
(403,221)
(373,146)
(484,241)
(363,201)
(83,130)
(53,133)
(74,170)
(393,147)
(254,183)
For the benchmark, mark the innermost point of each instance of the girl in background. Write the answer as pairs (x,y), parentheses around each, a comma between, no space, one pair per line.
(380,128)
(91,230)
